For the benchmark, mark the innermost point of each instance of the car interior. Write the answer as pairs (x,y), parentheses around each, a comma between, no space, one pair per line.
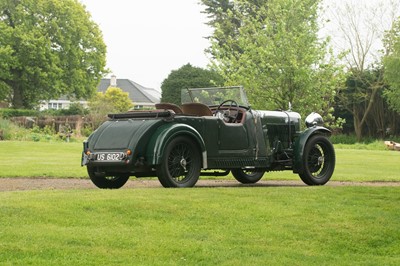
(230,114)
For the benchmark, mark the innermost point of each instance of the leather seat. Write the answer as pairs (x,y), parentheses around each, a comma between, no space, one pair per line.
(198,109)
(169,106)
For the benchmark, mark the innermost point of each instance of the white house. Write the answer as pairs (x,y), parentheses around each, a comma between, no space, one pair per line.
(140,96)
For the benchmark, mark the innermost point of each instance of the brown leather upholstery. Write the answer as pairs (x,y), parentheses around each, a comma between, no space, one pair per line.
(169,106)
(196,109)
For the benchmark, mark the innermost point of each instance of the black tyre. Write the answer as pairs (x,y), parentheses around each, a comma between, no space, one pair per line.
(181,163)
(247,176)
(107,182)
(318,161)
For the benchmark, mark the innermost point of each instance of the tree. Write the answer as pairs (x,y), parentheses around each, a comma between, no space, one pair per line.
(361,28)
(223,15)
(391,63)
(114,100)
(187,77)
(351,99)
(48,48)
(277,55)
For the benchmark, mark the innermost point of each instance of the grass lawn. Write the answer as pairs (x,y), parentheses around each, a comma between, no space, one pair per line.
(41,159)
(62,160)
(198,226)
(367,165)
(202,226)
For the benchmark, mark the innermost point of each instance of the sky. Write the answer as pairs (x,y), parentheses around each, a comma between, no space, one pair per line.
(146,40)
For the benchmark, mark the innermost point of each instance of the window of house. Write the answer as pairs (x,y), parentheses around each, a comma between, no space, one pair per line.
(55,106)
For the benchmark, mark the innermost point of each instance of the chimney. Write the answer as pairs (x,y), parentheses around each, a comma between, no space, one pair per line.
(113,81)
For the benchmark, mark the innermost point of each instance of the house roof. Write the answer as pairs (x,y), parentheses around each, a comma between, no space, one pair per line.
(137,93)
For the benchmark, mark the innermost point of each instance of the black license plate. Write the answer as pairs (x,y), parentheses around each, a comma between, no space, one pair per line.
(110,156)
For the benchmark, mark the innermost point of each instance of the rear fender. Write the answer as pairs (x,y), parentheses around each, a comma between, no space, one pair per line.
(167,132)
(301,142)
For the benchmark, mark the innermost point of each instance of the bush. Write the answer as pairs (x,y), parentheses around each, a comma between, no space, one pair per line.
(350,139)
(86,130)
(9,112)
(343,139)
(74,109)
(10,131)
(377,145)
(350,142)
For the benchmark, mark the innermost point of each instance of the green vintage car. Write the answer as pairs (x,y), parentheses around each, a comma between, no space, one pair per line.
(214,132)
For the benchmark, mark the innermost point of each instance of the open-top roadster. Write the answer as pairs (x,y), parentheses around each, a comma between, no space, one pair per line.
(214,132)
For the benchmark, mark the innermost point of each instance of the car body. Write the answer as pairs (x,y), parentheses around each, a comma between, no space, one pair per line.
(214,132)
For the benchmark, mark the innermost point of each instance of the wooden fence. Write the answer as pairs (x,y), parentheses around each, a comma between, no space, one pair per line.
(60,124)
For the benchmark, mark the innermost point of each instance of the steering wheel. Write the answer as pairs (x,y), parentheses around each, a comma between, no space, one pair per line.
(230,115)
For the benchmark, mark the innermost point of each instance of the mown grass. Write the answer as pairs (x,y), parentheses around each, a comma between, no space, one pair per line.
(202,226)
(199,226)
(41,159)
(62,160)
(358,166)
(367,165)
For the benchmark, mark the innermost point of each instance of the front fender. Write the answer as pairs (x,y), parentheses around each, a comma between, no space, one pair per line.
(301,143)
(164,134)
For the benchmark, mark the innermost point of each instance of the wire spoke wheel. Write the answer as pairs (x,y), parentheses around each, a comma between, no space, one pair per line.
(104,181)
(180,166)
(318,161)
(247,176)
(179,162)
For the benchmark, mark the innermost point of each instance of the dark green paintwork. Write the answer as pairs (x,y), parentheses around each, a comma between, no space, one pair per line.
(301,143)
(165,133)
(260,141)
(174,142)
(265,140)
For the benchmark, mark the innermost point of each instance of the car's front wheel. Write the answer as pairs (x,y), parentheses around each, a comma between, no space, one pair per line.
(181,163)
(318,161)
(107,182)
(247,176)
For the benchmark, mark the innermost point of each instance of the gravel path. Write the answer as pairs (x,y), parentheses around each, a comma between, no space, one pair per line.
(17,184)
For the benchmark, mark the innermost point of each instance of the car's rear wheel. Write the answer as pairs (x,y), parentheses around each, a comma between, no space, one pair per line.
(107,182)
(318,161)
(247,176)
(181,163)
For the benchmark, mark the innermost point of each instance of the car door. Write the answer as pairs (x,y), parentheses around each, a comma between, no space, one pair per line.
(232,137)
